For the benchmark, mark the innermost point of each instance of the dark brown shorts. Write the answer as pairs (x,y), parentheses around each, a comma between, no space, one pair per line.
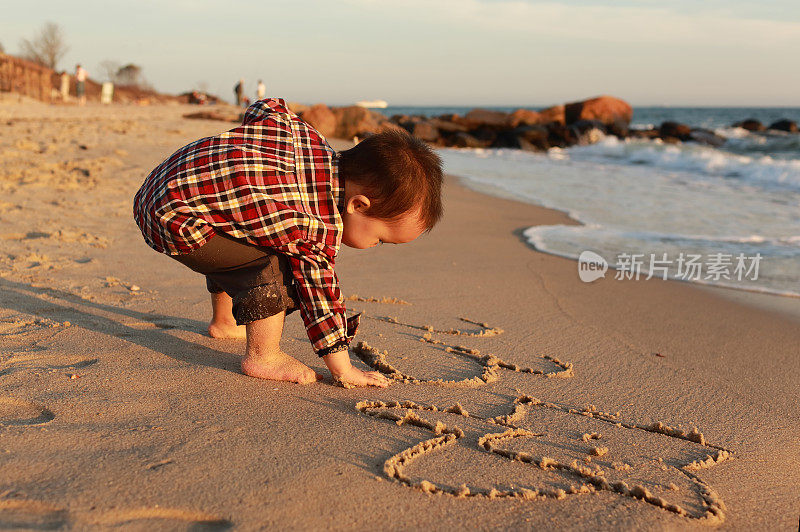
(258,280)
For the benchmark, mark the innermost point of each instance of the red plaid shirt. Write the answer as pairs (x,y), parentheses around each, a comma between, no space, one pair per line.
(272,182)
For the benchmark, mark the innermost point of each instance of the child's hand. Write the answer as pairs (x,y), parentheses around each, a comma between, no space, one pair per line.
(349,376)
(356,377)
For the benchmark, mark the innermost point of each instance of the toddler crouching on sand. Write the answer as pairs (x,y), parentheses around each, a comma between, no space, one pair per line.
(261,210)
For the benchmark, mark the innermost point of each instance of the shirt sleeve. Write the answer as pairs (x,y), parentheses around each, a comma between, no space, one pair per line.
(321,303)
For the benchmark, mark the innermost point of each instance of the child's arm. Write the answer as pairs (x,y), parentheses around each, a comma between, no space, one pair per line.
(339,365)
(323,312)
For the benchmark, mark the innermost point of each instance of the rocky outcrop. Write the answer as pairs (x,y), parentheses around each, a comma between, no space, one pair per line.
(465,140)
(426,131)
(560,136)
(648,134)
(789,126)
(552,114)
(674,131)
(706,136)
(321,118)
(533,138)
(604,109)
(355,121)
(446,126)
(485,119)
(561,126)
(387,126)
(751,124)
(588,131)
(524,117)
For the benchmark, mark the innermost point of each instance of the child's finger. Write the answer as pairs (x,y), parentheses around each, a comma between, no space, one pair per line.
(377,376)
(382,381)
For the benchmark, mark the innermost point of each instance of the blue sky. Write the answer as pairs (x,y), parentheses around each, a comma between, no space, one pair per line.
(440,52)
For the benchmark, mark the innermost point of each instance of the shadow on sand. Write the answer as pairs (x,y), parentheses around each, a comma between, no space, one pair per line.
(114,321)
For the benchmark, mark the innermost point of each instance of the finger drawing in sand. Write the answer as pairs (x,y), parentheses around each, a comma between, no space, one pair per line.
(490,365)
(555,450)
(552,457)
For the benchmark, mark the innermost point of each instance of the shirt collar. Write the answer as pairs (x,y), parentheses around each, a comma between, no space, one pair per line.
(338,184)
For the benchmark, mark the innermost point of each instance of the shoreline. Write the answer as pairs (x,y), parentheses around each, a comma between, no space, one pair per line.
(786,304)
(762,300)
(501,191)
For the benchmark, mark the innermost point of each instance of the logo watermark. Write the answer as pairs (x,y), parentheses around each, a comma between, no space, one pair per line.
(685,267)
(591,266)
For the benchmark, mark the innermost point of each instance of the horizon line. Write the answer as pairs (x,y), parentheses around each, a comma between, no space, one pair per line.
(536,106)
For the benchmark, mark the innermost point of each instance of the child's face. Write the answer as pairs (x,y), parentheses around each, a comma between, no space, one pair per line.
(362,231)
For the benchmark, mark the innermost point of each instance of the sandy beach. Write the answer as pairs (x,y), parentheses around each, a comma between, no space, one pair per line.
(542,401)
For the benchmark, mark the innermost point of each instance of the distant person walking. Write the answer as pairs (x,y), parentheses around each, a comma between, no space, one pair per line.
(238,90)
(80,84)
(64,87)
(261,90)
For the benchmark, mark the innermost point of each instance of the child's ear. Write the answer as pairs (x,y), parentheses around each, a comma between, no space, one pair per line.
(358,203)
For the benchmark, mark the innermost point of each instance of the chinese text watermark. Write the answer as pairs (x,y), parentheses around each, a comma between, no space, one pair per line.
(685,267)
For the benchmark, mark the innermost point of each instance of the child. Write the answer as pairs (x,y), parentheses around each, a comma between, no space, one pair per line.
(261,211)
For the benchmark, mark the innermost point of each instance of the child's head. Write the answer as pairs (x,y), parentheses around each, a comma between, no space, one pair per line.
(393,190)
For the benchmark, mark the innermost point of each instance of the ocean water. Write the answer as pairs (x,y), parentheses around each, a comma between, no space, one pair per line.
(654,208)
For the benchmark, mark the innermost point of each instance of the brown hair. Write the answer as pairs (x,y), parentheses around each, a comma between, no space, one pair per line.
(400,172)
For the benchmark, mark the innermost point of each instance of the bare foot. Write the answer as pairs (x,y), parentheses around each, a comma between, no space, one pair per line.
(219,329)
(279,367)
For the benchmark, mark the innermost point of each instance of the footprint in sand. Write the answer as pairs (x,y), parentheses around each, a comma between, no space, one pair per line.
(550,451)
(83,173)
(34,261)
(18,324)
(542,451)
(18,514)
(21,412)
(132,289)
(147,519)
(44,363)
(63,235)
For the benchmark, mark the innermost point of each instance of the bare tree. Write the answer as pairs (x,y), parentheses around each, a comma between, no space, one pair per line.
(109,70)
(2,50)
(47,48)
(130,74)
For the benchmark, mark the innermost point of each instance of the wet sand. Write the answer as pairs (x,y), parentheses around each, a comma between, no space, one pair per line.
(647,404)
